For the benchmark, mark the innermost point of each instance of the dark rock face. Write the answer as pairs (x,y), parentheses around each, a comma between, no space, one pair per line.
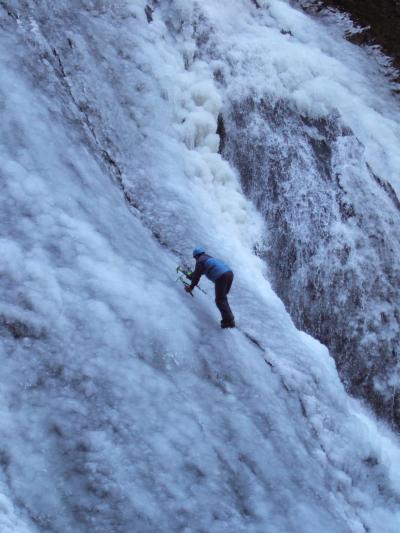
(333,245)
(381,21)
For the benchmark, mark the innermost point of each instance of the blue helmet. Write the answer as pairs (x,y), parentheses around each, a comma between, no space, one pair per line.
(198,251)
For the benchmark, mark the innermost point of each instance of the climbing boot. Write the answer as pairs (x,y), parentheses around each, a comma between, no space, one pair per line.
(227,324)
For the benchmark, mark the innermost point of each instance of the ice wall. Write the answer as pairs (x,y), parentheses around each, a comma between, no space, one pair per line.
(124,407)
(311,124)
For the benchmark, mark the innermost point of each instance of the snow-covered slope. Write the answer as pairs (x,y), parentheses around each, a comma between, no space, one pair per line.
(124,407)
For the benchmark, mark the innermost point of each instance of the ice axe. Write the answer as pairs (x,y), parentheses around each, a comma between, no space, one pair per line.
(188,274)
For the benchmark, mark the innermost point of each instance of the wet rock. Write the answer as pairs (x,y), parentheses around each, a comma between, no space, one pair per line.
(149,13)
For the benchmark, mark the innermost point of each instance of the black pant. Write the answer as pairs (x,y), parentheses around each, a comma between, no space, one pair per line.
(222,287)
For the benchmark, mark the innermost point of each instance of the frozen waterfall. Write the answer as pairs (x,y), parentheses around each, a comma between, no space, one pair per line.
(124,407)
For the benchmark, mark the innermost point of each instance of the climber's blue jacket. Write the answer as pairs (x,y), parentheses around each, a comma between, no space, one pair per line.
(211,267)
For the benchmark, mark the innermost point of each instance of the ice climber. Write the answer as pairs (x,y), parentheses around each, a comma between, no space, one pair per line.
(221,275)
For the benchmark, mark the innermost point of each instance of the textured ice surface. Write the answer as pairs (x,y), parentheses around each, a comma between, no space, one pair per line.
(315,132)
(124,407)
